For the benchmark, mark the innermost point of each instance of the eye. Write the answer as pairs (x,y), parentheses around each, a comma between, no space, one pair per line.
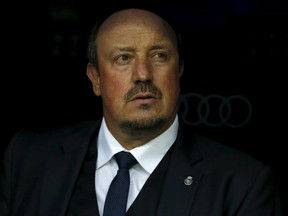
(122,59)
(160,56)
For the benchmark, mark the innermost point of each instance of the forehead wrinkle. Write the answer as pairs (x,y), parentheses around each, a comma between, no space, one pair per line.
(141,42)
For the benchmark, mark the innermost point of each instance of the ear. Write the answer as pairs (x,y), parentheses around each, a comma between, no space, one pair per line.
(94,77)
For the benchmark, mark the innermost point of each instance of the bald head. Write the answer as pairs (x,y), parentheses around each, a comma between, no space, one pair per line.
(138,17)
(127,21)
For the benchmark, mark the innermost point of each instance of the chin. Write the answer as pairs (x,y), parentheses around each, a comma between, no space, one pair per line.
(142,126)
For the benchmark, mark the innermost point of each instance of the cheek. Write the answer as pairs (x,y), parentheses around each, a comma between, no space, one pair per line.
(170,84)
(113,87)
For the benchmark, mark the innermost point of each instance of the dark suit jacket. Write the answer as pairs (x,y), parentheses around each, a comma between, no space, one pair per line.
(41,169)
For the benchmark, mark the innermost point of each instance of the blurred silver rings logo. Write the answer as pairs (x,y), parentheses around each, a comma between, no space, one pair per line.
(215,110)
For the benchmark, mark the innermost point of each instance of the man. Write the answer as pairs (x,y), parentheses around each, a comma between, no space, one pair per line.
(135,66)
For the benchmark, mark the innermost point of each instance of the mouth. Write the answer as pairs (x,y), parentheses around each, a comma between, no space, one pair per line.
(144,97)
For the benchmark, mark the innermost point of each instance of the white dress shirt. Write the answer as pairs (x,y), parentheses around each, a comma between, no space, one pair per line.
(148,157)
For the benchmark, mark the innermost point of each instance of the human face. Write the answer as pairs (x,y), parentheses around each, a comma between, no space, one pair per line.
(139,72)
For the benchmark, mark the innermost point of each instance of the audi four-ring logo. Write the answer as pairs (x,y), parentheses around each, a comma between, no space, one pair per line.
(215,110)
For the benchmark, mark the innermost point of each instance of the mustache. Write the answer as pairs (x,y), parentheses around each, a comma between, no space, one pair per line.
(143,87)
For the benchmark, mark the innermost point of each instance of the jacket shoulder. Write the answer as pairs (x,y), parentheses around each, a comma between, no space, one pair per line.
(221,156)
(40,142)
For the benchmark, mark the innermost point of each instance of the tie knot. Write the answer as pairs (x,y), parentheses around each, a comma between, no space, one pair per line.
(125,159)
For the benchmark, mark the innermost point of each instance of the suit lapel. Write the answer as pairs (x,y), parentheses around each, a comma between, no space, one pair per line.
(182,179)
(61,171)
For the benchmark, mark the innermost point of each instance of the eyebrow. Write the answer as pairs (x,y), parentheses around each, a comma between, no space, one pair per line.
(157,47)
(129,49)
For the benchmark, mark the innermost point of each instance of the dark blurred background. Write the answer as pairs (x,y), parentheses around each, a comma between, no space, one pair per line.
(233,87)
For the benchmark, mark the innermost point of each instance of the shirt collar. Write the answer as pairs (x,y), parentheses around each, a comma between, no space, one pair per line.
(148,155)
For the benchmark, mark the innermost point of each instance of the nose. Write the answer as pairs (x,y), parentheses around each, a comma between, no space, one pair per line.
(143,71)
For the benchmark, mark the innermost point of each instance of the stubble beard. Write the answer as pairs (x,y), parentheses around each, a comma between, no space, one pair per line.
(142,127)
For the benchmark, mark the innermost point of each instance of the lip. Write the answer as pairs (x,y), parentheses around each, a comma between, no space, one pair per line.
(143,97)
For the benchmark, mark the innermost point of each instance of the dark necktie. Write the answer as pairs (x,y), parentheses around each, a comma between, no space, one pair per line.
(116,199)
